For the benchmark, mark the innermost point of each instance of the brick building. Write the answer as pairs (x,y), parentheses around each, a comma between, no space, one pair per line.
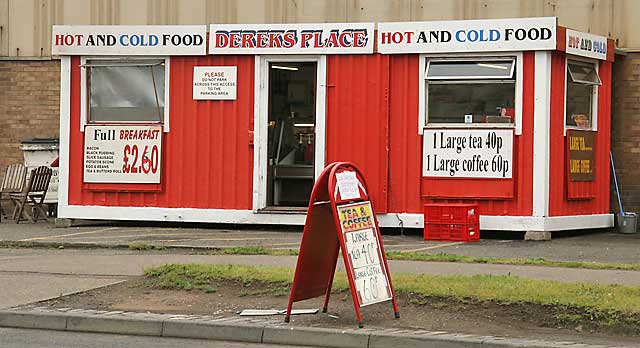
(29,76)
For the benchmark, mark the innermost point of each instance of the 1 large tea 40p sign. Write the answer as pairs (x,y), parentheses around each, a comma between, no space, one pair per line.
(468,153)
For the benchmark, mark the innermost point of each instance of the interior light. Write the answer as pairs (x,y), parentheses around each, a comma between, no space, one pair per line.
(303,124)
(493,66)
(284,67)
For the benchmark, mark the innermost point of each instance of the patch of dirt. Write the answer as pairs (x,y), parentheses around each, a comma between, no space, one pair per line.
(435,314)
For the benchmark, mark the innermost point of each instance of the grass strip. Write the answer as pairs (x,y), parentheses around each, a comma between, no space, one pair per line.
(445,257)
(500,289)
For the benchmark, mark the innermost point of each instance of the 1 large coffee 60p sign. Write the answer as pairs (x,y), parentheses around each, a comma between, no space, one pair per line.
(468,153)
(122,154)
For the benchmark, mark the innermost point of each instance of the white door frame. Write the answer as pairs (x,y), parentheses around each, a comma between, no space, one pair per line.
(261,119)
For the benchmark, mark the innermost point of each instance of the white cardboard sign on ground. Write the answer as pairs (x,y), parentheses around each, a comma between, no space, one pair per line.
(215,82)
(468,153)
(122,154)
(363,249)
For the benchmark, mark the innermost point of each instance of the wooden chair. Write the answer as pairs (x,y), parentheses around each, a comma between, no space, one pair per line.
(13,182)
(32,195)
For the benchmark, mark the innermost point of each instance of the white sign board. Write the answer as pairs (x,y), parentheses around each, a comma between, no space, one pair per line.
(214,82)
(363,249)
(122,154)
(143,40)
(302,38)
(348,185)
(586,45)
(468,153)
(514,34)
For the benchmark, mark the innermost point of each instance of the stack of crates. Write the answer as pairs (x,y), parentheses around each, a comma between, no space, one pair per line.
(451,221)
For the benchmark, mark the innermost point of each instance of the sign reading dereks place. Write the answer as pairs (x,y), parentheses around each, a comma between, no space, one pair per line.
(303,38)
(129,40)
(468,153)
(122,154)
(468,35)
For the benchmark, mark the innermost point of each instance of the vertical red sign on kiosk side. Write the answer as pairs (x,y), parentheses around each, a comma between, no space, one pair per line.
(340,216)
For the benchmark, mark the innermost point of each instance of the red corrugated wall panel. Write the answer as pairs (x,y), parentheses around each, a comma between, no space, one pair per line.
(358,116)
(406,150)
(405,143)
(207,159)
(559,205)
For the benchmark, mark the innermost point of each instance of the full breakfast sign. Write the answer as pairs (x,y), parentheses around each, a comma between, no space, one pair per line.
(122,154)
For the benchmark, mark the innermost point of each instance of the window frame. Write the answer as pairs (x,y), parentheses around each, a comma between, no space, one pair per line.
(594,94)
(84,92)
(450,79)
(423,111)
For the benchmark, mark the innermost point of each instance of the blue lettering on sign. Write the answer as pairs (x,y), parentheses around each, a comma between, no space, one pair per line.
(139,40)
(473,35)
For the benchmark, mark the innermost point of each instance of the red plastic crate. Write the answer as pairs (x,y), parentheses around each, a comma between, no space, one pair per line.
(452,232)
(458,213)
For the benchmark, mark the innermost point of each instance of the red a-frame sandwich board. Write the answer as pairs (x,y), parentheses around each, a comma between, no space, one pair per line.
(340,217)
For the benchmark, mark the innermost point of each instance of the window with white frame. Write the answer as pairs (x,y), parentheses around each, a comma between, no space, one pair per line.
(471,90)
(582,84)
(125,90)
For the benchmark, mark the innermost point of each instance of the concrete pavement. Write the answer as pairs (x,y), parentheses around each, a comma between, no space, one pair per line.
(602,246)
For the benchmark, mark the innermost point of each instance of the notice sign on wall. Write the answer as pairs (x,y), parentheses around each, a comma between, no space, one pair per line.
(581,159)
(214,82)
(468,153)
(359,232)
(122,154)
(512,34)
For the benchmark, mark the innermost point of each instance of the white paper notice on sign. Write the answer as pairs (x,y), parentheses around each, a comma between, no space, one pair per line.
(348,185)
(512,34)
(214,82)
(468,153)
(122,154)
(586,45)
(141,40)
(364,253)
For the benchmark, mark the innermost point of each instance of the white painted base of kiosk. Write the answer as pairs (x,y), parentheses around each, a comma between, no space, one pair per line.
(502,223)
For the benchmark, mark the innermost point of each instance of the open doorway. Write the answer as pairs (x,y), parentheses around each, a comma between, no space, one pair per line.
(291,133)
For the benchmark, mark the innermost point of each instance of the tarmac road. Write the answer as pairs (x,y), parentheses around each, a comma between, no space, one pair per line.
(21,338)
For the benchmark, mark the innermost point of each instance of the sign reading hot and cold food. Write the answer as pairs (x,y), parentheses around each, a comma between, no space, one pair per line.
(468,36)
(468,153)
(129,40)
(586,45)
(304,38)
(122,154)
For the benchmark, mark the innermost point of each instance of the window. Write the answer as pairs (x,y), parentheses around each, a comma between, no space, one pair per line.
(125,91)
(471,90)
(582,82)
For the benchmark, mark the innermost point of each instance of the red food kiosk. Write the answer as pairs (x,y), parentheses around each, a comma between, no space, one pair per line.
(232,123)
